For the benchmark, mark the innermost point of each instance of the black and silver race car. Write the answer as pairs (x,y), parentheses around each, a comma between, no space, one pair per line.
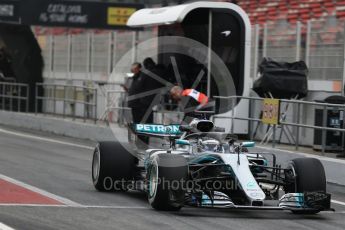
(203,166)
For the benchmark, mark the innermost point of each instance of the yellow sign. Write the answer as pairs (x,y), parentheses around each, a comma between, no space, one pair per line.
(42,41)
(270,111)
(118,16)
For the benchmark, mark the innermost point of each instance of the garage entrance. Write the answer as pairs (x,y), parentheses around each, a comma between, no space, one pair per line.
(20,55)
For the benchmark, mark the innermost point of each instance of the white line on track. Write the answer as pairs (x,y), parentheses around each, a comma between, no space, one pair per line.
(5,227)
(331,212)
(306,155)
(80,206)
(44,139)
(115,207)
(40,191)
(34,205)
(338,202)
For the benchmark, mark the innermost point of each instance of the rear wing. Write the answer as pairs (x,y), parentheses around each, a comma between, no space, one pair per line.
(157,130)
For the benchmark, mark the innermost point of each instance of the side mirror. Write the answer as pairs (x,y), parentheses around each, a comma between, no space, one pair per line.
(248,144)
(182,142)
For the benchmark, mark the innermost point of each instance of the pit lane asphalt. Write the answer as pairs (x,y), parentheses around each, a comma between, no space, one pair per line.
(64,170)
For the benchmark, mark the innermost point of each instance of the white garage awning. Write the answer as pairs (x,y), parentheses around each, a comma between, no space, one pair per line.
(173,14)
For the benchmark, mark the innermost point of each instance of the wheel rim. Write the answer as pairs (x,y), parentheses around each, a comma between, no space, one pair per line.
(96,165)
(153,181)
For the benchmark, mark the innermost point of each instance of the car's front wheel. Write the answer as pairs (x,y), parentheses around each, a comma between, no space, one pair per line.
(166,178)
(308,175)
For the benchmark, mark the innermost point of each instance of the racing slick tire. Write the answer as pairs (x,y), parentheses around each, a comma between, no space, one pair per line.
(166,175)
(310,177)
(112,166)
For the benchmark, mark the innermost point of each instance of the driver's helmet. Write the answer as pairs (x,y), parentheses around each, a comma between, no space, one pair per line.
(210,145)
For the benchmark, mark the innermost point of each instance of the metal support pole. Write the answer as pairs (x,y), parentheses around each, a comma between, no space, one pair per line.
(85,104)
(69,56)
(114,49)
(27,98)
(54,99)
(256,50)
(110,51)
(53,56)
(232,114)
(74,102)
(107,104)
(134,46)
(11,97)
(19,93)
(342,114)
(209,53)
(3,96)
(95,105)
(36,99)
(297,127)
(264,46)
(307,43)
(91,53)
(274,136)
(64,100)
(52,46)
(324,124)
(250,131)
(343,82)
(298,41)
(88,55)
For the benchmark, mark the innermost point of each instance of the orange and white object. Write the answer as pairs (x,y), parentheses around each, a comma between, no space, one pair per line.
(201,98)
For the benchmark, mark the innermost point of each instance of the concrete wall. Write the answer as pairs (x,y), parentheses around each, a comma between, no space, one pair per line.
(57,126)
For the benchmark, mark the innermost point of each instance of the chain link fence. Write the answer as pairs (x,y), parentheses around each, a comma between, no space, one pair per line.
(325,49)
(80,53)
(281,41)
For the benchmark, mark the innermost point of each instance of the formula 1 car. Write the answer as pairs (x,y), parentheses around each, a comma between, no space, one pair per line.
(203,166)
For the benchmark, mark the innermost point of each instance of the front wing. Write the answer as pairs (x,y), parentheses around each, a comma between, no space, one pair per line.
(314,201)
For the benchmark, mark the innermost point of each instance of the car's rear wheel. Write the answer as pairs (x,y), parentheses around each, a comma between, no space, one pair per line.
(309,176)
(112,166)
(166,176)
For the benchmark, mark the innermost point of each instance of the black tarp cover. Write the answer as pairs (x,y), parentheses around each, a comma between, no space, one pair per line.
(282,79)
